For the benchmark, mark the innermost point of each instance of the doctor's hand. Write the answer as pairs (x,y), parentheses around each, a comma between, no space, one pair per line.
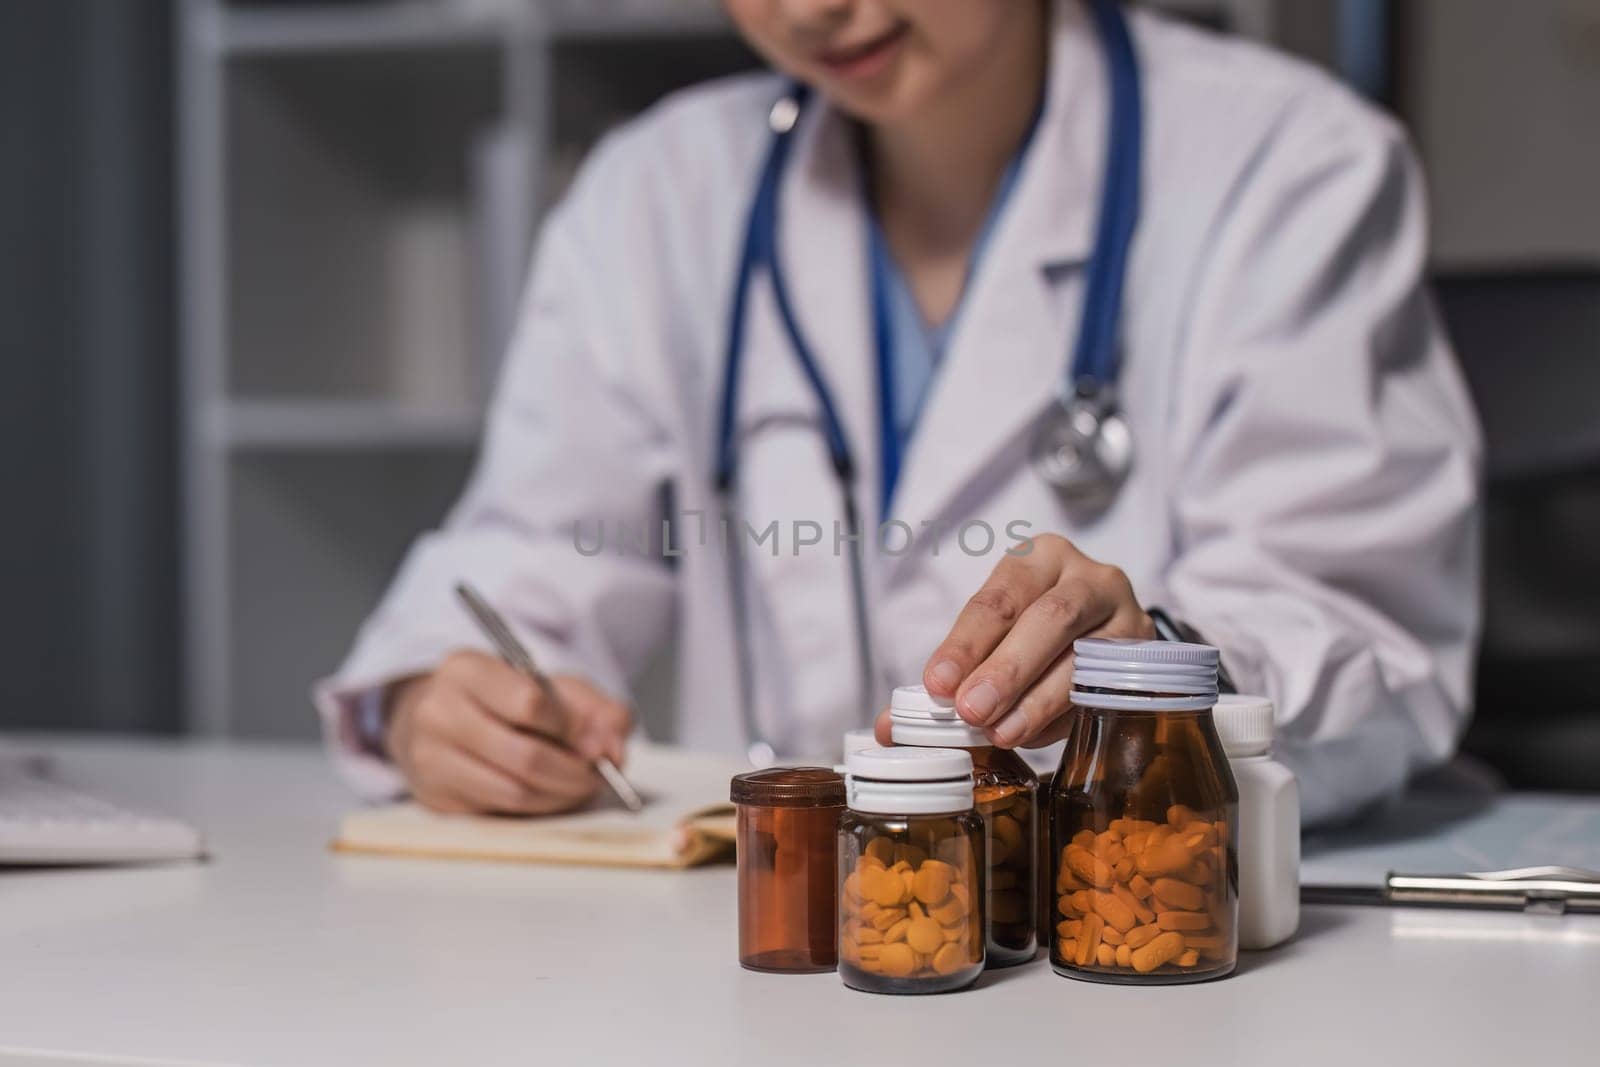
(460,735)
(1007,661)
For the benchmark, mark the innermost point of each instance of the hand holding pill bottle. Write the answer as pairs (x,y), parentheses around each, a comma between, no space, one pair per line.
(911,893)
(1144,820)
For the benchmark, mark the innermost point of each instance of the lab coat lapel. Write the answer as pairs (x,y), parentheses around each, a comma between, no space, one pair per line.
(1013,337)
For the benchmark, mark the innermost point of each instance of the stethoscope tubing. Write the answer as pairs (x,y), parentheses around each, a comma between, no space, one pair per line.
(1095,363)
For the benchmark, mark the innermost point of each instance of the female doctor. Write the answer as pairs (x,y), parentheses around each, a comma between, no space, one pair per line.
(983,326)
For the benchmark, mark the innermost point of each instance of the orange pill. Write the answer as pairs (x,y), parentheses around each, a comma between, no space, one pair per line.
(1180,815)
(1140,912)
(1176,894)
(1183,920)
(882,886)
(948,959)
(897,960)
(1113,910)
(1139,886)
(1112,936)
(1089,939)
(1124,956)
(1069,928)
(932,882)
(1164,948)
(1140,936)
(1105,955)
(1166,856)
(1093,869)
(1188,958)
(924,935)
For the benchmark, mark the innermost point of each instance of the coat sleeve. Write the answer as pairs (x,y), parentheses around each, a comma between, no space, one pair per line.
(571,443)
(1326,486)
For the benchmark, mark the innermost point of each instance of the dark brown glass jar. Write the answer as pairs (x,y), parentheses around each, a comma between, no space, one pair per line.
(911,863)
(1144,819)
(788,826)
(1006,793)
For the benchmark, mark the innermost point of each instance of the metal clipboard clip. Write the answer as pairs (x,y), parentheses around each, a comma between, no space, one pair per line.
(1539,890)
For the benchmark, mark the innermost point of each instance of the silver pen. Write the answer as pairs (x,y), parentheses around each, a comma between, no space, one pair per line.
(517,655)
(1547,890)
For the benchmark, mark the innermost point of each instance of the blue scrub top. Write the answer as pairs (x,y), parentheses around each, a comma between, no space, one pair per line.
(910,348)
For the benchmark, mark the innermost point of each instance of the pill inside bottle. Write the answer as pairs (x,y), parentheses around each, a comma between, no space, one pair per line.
(1144,820)
(911,851)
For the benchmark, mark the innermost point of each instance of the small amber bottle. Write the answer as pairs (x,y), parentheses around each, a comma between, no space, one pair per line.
(787,830)
(1144,819)
(911,865)
(1006,792)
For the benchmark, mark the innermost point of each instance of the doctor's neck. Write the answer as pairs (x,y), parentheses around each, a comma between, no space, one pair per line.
(935,170)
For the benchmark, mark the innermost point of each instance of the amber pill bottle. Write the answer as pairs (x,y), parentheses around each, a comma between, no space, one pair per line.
(1006,794)
(1144,820)
(787,832)
(911,872)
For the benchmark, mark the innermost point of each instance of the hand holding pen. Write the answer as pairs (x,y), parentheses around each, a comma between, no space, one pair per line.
(478,735)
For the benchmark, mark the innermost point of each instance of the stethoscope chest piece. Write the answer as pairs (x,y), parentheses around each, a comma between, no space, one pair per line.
(1083,449)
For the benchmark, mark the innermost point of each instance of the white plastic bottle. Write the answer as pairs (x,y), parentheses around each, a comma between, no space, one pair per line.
(1269,822)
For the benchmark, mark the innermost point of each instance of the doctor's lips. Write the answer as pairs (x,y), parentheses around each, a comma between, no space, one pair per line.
(866,59)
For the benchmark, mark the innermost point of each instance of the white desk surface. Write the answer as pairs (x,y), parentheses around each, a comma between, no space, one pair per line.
(279,952)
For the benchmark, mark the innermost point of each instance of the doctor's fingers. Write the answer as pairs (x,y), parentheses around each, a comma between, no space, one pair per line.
(455,777)
(599,723)
(1014,584)
(1043,705)
(504,690)
(1044,631)
(528,760)
(1043,709)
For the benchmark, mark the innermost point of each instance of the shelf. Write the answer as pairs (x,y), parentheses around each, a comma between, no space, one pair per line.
(305,425)
(333,27)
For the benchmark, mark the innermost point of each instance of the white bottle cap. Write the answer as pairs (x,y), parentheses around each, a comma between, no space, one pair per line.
(862,738)
(918,718)
(908,781)
(1116,672)
(1244,723)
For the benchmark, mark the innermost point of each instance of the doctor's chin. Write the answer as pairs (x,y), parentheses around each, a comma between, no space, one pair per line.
(640,532)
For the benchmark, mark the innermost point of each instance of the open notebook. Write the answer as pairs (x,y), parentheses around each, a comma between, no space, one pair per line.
(687,820)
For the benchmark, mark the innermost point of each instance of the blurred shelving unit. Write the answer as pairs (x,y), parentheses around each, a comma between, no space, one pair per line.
(360,183)
(359,187)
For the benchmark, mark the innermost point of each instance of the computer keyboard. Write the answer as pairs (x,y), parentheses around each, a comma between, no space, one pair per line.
(44,822)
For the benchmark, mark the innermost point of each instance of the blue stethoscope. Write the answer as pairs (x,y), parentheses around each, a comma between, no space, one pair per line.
(1082,446)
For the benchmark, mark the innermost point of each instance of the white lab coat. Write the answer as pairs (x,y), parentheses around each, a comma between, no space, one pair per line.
(1305,488)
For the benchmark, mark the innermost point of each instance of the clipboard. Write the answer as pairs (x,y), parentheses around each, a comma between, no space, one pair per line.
(1524,851)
